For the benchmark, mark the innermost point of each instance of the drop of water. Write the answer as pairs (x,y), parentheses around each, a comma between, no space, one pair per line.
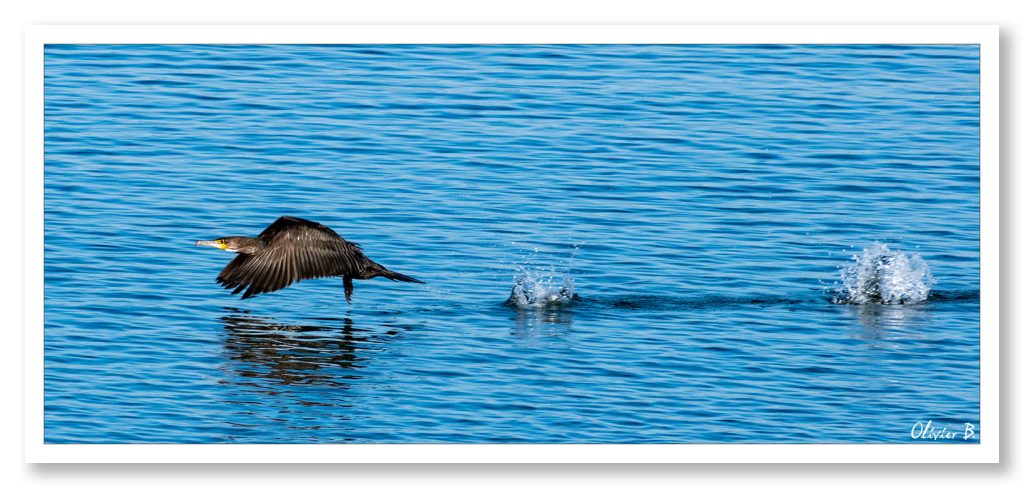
(883,275)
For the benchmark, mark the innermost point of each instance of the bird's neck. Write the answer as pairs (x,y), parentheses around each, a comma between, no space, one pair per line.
(250,245)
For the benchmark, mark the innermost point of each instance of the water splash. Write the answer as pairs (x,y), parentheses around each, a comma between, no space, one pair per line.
(883,275)
(538,289)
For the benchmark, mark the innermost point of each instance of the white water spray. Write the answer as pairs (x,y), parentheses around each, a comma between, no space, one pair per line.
(537,289)
(882,275)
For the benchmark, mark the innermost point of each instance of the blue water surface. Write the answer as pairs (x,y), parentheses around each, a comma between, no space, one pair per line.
(699,200)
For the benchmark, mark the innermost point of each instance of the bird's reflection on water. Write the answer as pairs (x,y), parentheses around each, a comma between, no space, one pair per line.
(320,351)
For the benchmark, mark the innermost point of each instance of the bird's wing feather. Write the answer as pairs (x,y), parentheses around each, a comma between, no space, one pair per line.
(295,249)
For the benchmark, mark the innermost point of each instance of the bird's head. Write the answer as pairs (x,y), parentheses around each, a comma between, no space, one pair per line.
(234,244)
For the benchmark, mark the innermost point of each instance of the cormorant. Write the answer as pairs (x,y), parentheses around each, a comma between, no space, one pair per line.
(291,250)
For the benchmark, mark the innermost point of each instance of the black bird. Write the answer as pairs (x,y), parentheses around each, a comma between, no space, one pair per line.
(291,250)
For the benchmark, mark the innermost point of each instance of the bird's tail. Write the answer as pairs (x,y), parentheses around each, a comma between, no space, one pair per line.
(391,275)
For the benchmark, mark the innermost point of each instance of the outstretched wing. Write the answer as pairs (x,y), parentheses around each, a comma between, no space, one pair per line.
(294,249)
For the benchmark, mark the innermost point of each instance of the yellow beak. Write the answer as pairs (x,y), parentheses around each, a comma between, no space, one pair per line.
(218,245)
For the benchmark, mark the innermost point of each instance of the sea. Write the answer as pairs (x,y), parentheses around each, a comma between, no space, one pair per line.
(624,244)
